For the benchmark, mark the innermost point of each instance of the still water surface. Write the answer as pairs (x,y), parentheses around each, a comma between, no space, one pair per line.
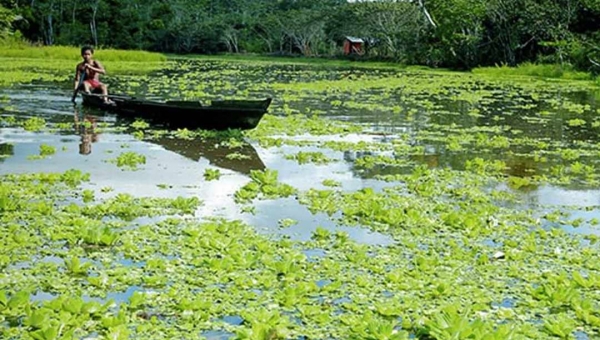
(175,166)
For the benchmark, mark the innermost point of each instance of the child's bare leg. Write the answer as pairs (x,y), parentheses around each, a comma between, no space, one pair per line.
(87,87)
(105,93)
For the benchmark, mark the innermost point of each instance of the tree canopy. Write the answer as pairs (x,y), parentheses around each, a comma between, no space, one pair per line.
(450,33)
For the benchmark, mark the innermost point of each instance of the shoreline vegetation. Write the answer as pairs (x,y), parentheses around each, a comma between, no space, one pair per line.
(455,34)
(23,50)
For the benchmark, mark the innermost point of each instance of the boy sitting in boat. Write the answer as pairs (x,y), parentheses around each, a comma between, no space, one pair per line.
(87,75)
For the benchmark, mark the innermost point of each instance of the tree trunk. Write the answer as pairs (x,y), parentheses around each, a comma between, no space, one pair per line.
(265,37)
(50,38)
(73,13)
(426,13)
(93,28)
(231,40)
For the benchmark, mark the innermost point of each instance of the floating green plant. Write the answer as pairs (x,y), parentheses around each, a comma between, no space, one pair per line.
(129,160)
(331,183)
(237,156)
(34,124)
(140,124)
(303,157)
(264,184)
(286,222)
(212,174)
(47,150)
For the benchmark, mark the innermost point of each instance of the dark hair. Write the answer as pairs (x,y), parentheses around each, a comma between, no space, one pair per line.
(87,48)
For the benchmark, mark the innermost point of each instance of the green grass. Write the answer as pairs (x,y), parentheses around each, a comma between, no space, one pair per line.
(21,62)
(535,70)
(27,70)
(14,49)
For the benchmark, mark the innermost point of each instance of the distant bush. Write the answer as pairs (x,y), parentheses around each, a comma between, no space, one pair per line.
(534,70)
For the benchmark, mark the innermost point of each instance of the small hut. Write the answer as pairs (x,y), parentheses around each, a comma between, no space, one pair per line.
(353,45)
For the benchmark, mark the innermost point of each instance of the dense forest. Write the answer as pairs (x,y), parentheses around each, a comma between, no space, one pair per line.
(448,33)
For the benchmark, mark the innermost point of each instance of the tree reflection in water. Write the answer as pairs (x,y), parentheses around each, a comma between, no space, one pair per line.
(6,150)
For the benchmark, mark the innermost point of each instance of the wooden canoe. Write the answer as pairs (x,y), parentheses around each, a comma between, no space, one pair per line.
(220,115)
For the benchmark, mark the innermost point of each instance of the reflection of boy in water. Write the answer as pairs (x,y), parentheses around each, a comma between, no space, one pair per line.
(86,129)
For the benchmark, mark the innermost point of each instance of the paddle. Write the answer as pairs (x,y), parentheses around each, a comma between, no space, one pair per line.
(81,78)
(108,96)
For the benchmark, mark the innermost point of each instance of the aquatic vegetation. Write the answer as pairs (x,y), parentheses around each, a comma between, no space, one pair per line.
(264,185)
(47,150)
(250,209)
(34,124)
(481,166)
(298,124)
(8,119)
(369,162)
(453,170)
(304,157)
(576,122)
(232,143)
(286,222)
(184,134)
(140,124)
(237,155)
(129,160)
(139,135)
(331,183)
(212,174)
(229,134)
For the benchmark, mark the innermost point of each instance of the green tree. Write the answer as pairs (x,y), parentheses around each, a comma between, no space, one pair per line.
(458,32)
(6,19)
(397,29)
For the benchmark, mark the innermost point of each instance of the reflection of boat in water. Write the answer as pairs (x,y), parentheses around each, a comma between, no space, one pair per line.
(245,158)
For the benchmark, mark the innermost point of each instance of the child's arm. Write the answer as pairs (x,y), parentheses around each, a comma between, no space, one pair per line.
(96,68)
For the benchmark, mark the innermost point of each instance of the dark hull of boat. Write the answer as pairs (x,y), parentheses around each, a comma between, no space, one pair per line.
(220,115)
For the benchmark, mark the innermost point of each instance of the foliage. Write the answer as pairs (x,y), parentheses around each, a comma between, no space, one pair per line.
(6,19)
(455,33)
